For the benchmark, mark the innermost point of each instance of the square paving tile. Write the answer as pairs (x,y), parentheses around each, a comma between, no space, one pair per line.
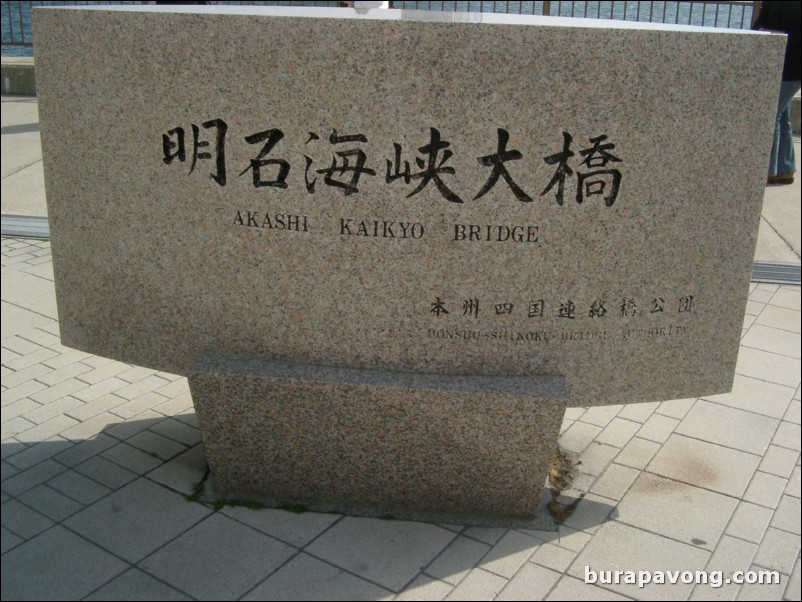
(571,539)
(794,412)
(78,487)
(86,449)
(553,557)
(675,408)
(794,588)
(457,559)
(637,550)
(218,559)
(596,458)
(387,552)
(424,588)
(30,478)
(727,426)
(615,481)
(509,554)
(478,585)
(772,339)
(131,458)
(600,415)
(788,516)
(50,502)
(592,512)
(570,588)
(488,535)
(772,367)
(769,590)
(788,435)
(778,550)
(8,540)
(750,522)
(136,585)
(307,578)
(578,436)
(17,320)
(658,428)
(178,431)
(638,412)
(731,555)
(637,453)
(294,529)
(618,432)
(765,489)
(183,472)
(155,445)
(57,565)
(779,461)
(532,582)
(137,519)
(756,395)
(780,317)
(704,464)
(683,512)
(105,472)
(792,488)
(787,297)
(22,520)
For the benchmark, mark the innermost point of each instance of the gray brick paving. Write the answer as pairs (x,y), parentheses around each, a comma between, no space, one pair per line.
(749,522)
(138,584)
(677,510)
(240,559)
(67,567)
(532,582)
(389,553)
(309,578)
(98,455)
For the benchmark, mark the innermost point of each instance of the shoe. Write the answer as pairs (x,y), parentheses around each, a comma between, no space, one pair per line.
(783,178)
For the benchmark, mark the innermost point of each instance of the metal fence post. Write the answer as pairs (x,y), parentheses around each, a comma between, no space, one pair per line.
(755,11)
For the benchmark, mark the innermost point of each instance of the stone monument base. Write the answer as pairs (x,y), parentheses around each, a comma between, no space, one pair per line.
(427,447)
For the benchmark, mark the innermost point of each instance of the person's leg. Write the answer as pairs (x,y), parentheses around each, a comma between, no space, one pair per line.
(775,146)
(785,150)
(782,163)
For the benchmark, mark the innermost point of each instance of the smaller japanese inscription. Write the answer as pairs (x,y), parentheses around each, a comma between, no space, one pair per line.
(567,309)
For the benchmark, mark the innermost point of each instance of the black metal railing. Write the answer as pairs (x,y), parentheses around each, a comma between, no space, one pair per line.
(730,15)
(16,18)
(16,28)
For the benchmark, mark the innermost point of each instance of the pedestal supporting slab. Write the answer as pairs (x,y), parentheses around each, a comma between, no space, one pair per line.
(365,442)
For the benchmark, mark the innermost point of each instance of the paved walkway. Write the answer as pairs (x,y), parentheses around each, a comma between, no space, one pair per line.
(100,460)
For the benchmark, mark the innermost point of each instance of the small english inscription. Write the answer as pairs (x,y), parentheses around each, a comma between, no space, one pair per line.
(554,336)
(495,233)
(381,228)
(272,221)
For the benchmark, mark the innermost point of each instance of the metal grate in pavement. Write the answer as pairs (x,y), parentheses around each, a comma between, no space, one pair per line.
(25,226)
(775,272)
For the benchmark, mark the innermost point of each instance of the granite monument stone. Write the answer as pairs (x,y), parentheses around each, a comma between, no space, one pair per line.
(389,249)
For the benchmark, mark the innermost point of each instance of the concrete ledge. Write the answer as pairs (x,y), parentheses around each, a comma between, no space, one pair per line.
(18,76)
